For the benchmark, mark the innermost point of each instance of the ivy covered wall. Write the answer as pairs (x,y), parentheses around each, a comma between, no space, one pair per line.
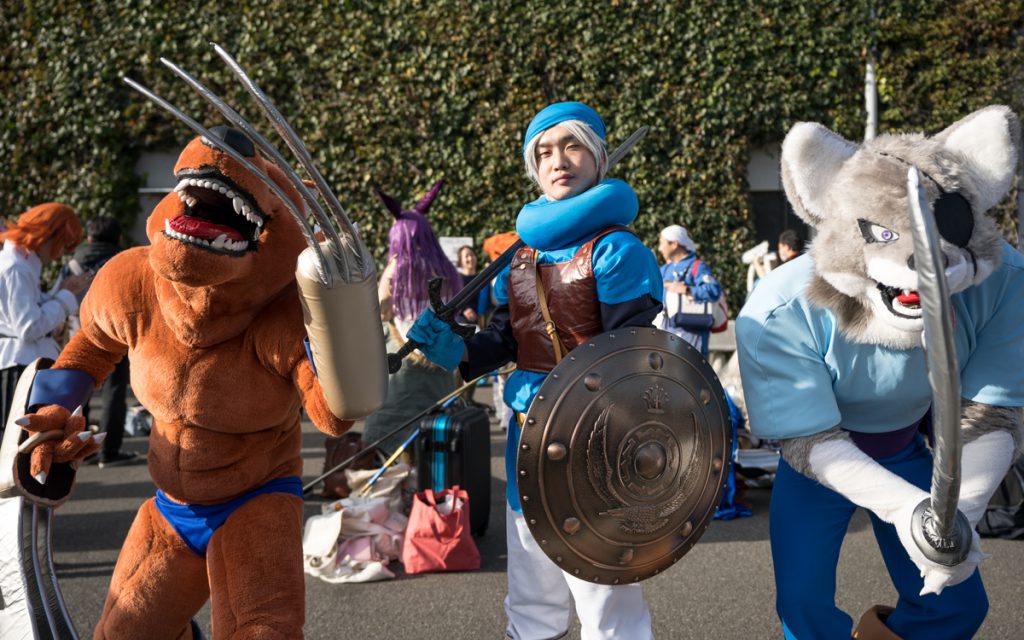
(401,92)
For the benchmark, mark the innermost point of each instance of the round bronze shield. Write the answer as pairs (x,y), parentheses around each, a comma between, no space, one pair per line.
(623,454)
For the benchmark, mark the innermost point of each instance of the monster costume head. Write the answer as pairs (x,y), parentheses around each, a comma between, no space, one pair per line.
(855,197)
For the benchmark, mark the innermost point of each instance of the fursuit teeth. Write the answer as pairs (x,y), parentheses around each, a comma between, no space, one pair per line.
(210,190)
(902,302)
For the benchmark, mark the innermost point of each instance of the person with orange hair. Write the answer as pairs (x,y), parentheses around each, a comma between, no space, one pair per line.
(28,316)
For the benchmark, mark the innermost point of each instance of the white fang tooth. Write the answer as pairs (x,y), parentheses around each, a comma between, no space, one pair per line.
(167,226)
(220,241)
(181,185)
(237,204)
(192,182)
(229,193)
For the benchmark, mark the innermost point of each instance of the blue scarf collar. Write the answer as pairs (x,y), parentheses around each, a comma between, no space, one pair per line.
(547,225)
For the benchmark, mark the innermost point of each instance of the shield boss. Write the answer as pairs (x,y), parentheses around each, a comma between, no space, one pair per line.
(623,454)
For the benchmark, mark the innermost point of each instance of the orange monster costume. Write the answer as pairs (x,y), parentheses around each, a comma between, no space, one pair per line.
(211,320)
(216,346)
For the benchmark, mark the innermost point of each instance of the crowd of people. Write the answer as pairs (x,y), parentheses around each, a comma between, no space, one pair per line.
(533,314)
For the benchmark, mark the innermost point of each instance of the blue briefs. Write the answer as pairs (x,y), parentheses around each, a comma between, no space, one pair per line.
(195,523)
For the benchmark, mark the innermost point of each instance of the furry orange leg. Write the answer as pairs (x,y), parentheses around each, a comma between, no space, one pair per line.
(158,584)
(255,565)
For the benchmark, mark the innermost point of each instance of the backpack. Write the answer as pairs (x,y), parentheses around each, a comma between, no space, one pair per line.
(1004,516)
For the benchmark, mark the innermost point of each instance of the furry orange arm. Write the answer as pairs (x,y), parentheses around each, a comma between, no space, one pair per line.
(315,403)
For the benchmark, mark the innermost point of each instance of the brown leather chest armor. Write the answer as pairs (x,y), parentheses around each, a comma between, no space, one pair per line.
(571,292)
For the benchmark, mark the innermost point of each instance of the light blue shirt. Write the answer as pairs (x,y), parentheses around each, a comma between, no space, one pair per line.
(802,376)
(624,269)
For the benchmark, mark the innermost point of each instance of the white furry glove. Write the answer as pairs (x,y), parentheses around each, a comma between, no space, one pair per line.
(937,576)
(842,467)
(983,465)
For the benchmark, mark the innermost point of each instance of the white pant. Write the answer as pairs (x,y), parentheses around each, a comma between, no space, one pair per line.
(538,603)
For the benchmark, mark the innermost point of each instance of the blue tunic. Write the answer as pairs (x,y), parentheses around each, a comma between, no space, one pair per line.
(801,375)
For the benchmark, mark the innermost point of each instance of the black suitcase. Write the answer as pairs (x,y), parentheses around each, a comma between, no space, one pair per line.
(454,448)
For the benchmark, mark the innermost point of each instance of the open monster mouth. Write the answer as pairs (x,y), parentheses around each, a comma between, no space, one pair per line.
(219,215)
(901,302)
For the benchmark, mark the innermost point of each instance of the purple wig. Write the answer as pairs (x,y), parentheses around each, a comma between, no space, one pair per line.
(418,256)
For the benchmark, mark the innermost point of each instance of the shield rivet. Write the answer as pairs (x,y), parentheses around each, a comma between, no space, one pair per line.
(716,464)
(556,451)
(632,332)
(705,396)
(558,558)
(526,447)
(655,361)
(544,542)
(611,336)
(532,421)
(573,358)
(522,266)
(576,572)
(687,528)
(533,521)
(592,381)
(555,376)
(522,472)
(540,397)
(626,556)
(526,498)
(571,525)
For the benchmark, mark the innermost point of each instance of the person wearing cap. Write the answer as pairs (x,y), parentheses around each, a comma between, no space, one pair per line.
(602,278)
(28,316)
(687,277)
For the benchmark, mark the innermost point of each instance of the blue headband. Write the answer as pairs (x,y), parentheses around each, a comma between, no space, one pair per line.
(552,114)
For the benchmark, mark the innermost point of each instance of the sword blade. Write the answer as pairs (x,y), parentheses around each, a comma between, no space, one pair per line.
(940,354)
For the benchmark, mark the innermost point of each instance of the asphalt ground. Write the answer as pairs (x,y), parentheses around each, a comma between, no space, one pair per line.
(722,589)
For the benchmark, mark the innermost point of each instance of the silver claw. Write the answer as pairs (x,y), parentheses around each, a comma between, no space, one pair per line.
(273,154)
(293,142)
(325,273)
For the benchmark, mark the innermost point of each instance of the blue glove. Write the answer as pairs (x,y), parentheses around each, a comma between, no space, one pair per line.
(439,343)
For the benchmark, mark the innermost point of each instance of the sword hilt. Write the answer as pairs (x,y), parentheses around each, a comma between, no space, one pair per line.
(949,550)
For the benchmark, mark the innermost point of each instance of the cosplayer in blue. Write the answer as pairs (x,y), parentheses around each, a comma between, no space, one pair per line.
(592,275)
(832,364)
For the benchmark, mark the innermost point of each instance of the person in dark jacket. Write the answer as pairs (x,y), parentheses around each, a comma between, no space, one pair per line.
(103,235)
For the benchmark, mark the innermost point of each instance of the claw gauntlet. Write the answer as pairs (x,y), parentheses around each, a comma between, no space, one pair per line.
(345,338)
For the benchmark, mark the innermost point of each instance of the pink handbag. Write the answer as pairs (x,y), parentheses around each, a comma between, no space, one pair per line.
(438,536)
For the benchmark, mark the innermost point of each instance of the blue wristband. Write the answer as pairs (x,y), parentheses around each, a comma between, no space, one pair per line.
(70,388)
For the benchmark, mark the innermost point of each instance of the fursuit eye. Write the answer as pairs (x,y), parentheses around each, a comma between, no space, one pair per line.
(876,233)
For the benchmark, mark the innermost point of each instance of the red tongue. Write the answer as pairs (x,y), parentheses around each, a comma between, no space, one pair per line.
(203,229)
(909,298)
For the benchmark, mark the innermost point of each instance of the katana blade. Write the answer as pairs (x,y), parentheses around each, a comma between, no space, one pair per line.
(940,530)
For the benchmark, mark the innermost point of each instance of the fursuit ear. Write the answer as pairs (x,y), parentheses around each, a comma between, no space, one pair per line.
(988,140)
(811,157)
(392,205)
